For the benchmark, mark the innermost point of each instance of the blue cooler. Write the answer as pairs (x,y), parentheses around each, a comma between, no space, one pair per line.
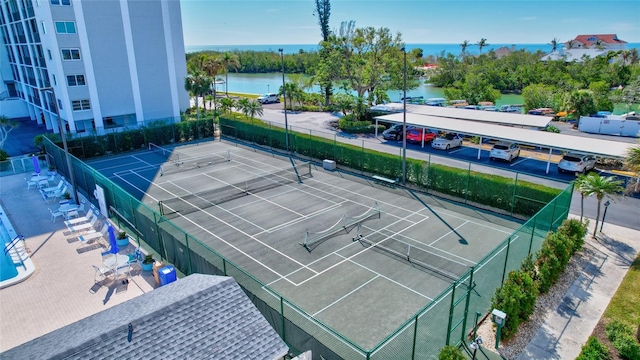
(167,275)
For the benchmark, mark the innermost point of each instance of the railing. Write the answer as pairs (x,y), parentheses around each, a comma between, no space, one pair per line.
(12,245)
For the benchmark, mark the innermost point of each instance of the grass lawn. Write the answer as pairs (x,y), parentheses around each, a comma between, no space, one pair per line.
(624,307)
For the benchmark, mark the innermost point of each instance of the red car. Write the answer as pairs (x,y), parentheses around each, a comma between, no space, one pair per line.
(416,136)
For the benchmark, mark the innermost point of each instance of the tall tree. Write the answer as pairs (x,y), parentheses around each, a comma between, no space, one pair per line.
(196,83)
(554,44)
(482,43)
(601,186)
(582,102)
(254,108)
(211,66)
(228,61)
(6,126)
(465,44)
(633,163)
(579,186)
(323,12)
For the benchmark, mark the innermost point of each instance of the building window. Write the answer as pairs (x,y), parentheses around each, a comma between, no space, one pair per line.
(44,28)
(70,54)
(65,27)
(49,53)
(55,82)
(79,105)
(61,2)
(59,104)
(75,80)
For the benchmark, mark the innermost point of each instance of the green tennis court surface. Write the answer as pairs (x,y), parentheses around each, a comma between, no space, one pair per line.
(359,257)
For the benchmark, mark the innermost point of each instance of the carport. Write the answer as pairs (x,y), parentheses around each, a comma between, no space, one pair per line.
(496,129)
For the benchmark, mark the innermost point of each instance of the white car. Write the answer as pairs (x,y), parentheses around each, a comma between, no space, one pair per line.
(269,98)
(505,151)
(447,142)
(577,163)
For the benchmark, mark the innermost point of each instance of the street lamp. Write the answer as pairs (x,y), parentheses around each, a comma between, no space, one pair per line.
(64,142)
(606,206)
(284,95)
(268,88)
(404,119)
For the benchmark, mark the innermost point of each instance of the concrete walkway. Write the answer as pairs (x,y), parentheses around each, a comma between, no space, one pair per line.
(61,290)
(569,326)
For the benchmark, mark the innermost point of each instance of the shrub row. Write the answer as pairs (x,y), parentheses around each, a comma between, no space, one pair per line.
(621,335)
(594,350)
(517,296)
(134,139)
(358,127)
(498,192)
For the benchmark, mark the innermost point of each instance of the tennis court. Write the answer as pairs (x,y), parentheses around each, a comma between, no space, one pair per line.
(360,257)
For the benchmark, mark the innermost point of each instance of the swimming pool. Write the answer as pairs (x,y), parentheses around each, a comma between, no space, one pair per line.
(15,265)
(7,268)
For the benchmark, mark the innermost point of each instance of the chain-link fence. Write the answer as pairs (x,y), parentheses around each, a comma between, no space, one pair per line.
(444,321)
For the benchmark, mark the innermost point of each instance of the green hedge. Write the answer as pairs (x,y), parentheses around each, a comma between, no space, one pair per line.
(594,350)
(517,296)
(491,190)
(130,140)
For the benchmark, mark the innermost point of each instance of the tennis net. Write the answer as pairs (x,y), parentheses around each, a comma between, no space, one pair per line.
(174,207)
(176,161)
(424,259)
(313,239)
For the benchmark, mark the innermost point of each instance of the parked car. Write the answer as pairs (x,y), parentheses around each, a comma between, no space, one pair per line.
(505,151)
(269,98)
(472,107)
(415,135)
(577,163)
(393,133)
(447,142)
(489,108)
(510,109)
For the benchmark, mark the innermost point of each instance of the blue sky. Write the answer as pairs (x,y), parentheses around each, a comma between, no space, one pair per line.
(253,22)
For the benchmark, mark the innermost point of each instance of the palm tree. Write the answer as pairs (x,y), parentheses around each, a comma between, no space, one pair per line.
(254,108)
(601,186)
(570,44)
(554,44)
(228,61)
(633,162)
(464,46)
(196,83)
(634,57)
(579,185)
(226,104)
(482,43)
(599,44)
(211,66)
(242,105)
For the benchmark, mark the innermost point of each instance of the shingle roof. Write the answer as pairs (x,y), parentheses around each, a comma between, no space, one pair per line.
(199,316)
(605,38)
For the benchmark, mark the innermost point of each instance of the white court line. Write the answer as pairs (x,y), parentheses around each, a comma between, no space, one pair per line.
(448,232)
(243,233)
(148,163)
(135,187)
(213,204)
(255,194)
(434,251)
(344,296)
(386,278)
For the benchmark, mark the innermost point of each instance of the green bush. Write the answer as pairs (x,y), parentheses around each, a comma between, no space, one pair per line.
(628,347)
(594,350)
(357,127)
(549,268)
(575,230)
(562,246)
(517,298)
(3,155)
(451,352)
(617,329)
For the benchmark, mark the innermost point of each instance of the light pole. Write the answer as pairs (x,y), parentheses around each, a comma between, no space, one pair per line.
(64,142)
(404,119)
(284,98)
(606,206)
(268,89)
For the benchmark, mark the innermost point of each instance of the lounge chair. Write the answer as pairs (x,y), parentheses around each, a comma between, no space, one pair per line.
(101,272)
(89,237)
(54,188)
(83,227)
(55,214)
(82,219)
(30,183)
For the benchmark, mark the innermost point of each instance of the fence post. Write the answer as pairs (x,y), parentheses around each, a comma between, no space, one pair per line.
(504,269)
(513,197)
(284,337)
(466,192)
(467,303)
(451,306)
(553,214)
(186,241)
(533,231)
(415,337)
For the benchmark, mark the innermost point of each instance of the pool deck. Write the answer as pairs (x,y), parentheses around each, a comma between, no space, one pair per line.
(61,289)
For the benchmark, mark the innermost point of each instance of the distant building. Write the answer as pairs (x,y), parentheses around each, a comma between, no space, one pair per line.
(113,64)
(586,46)
(504,51)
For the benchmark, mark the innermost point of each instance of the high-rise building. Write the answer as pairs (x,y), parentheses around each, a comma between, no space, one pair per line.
(112,63)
